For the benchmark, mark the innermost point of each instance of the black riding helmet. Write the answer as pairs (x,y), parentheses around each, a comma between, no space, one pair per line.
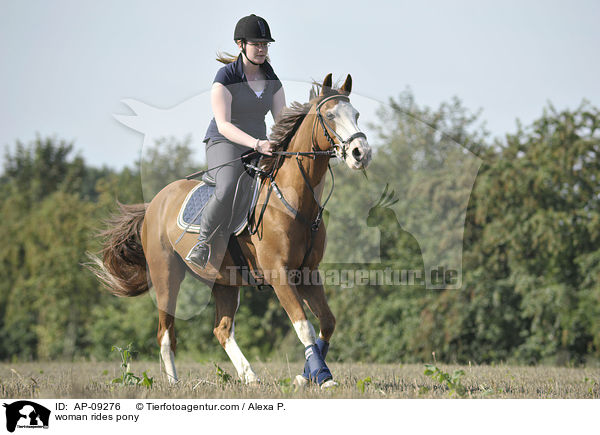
(252,28)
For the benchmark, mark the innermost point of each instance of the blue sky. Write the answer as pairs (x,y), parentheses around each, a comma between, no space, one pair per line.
(67,65)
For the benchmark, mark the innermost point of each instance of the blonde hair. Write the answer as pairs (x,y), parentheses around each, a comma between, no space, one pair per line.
(226,58)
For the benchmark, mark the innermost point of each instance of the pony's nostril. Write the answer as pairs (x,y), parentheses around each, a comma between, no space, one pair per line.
(356,153)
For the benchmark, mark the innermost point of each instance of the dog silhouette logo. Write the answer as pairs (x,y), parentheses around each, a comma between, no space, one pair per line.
(26,414)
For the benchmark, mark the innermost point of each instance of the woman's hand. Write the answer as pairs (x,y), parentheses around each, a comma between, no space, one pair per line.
(264,147)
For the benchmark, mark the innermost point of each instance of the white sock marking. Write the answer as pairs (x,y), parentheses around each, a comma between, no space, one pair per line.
(168,358)
(238,359)
(305,332)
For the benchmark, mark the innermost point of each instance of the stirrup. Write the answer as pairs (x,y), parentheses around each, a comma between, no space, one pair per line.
(199,256)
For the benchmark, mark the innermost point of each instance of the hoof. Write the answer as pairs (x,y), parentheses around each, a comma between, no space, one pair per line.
(300,382)
(329,384)
(252,380)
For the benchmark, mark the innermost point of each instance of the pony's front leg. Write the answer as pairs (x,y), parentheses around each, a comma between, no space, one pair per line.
(227,300)
(314,296)
(291,301)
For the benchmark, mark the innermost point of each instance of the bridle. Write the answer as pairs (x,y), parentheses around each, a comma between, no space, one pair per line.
(337,150)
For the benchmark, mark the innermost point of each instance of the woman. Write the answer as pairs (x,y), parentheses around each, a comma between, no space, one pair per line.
(242,93)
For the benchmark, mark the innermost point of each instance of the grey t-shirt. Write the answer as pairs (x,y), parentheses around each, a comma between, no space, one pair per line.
(247,109)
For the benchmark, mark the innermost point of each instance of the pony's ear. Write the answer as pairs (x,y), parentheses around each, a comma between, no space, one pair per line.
(347,86)
(327,84)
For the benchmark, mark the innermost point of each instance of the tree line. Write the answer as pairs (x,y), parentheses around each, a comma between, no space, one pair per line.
(527,228)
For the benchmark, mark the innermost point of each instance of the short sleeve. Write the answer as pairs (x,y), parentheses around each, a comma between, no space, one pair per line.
(276,85)
(224,76)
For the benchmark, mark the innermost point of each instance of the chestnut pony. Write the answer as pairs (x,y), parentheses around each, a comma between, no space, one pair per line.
(144,237)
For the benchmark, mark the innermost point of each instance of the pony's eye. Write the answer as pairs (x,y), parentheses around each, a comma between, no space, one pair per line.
(330,116)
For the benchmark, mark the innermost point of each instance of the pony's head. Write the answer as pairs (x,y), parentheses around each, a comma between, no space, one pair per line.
(339,125)
(334,125)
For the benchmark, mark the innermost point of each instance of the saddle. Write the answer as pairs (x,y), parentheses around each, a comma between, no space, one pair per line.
(190,213)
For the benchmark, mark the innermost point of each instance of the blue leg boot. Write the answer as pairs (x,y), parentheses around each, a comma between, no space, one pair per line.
(315,369)
(323,348)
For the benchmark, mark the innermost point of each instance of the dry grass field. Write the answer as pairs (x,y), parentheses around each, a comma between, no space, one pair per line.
(373,381)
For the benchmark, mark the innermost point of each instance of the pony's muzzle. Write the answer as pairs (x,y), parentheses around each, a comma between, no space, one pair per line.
(360,155)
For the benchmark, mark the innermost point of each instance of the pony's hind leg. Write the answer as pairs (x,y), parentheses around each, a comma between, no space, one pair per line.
(167,275)
(227,300)
(167,343)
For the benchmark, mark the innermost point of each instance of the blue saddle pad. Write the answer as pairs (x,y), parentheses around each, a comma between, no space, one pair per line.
(190,213)
(191,210)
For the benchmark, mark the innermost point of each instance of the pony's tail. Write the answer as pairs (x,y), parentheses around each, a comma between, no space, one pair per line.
(122,269)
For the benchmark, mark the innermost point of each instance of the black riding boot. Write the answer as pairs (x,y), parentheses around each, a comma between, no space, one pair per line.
(209,222)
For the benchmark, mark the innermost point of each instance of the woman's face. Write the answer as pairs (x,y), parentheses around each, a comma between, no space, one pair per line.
(256,51)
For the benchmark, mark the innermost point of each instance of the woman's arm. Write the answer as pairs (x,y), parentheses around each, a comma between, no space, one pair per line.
(278,104)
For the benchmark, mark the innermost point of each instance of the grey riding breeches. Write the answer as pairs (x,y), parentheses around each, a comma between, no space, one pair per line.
(232,181)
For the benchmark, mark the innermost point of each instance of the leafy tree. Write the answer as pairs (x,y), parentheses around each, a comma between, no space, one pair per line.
(530,252)
(45,232)
(168,160)
(419,155)
(534,211)
(42,167)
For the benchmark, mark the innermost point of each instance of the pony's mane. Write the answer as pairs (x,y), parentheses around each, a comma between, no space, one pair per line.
(290,120)
(287,125)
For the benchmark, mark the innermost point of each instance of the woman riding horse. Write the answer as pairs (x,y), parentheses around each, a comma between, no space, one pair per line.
(242,93)
(144,246)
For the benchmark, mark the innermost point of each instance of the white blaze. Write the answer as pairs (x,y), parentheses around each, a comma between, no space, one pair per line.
(345,126)
(345,119)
